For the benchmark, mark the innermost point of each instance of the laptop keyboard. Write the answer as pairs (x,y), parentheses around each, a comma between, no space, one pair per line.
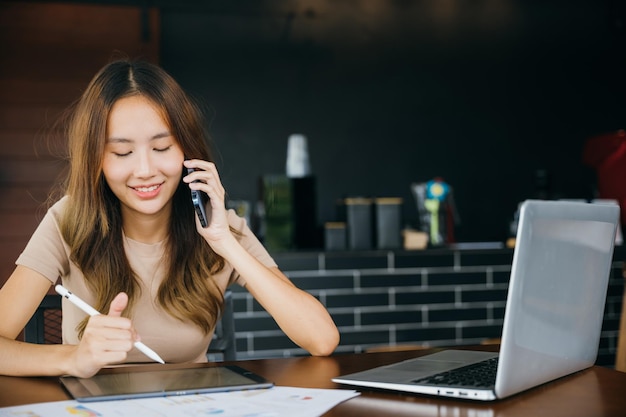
(478,375)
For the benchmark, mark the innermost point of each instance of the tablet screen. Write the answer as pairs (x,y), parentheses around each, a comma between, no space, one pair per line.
(124,385)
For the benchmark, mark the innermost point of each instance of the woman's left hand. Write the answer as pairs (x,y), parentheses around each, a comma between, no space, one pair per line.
(206,179)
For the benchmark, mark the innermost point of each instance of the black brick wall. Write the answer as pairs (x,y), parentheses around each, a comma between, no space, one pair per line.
(377,298)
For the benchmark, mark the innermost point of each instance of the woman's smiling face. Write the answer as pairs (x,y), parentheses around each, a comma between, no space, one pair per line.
(142,161)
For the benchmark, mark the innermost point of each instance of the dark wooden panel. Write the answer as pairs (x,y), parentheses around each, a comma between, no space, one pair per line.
(31,198)
(49,53)
(29,143)
(30,116)
(11,249)
(17,224)
(72,40)
(29,172)
(77,25)
(24,90)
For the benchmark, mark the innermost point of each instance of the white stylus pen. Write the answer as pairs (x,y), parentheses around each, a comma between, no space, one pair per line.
(93,312)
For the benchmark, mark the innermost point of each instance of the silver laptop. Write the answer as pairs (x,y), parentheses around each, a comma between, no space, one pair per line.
(553,318)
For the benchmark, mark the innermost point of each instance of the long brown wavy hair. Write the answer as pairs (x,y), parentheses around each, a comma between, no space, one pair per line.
(92,223)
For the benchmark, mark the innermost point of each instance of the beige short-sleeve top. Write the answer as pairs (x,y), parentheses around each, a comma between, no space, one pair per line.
(174,340)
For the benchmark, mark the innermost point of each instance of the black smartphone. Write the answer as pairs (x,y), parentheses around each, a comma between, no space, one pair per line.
(199,200)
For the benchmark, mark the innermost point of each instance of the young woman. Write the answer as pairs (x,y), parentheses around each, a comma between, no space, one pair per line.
(125,238)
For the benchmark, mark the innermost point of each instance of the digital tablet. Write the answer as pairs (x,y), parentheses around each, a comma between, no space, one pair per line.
(142,384)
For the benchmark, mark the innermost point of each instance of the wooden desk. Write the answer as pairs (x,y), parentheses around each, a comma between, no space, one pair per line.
(595,392)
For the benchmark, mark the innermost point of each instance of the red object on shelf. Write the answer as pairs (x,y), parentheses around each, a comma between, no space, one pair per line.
(607,155)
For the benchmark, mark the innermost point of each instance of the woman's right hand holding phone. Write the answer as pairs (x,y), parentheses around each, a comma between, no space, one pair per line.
(205,178)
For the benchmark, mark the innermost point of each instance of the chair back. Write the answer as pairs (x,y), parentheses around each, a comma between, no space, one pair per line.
(45,325)
(224,337)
